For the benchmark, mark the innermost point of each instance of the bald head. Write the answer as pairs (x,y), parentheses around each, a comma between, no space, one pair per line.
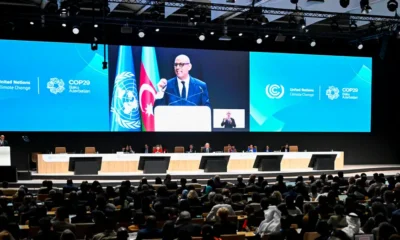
(182,67)
(183,58)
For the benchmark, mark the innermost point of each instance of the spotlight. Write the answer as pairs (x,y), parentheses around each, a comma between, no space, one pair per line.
(32,23)
(344,3)
(211,33)
(240,34)
(360,46)
(353,26)
(202,37)
(95,25)
(313,43)
(141,34)
(302,23)
(294,37)
(267,36)
(392,5)
(259,40)
(75,30)
(157,29)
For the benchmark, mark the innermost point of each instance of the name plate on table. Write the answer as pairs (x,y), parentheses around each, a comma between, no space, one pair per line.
(5,159)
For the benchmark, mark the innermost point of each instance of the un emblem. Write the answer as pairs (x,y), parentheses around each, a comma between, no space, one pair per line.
(55,85)
(125,101)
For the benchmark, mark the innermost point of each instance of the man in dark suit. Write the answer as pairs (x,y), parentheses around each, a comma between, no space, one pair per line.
(3,141)
(191,149)
(150,230)
(182,90)
(228,122)
(206,148)
(146,149)
(183,223)
(285,148)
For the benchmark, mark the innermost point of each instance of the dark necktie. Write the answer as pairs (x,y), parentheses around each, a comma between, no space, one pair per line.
(183,90)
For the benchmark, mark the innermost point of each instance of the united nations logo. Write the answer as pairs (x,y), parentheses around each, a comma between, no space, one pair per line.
(332,93)
(56,85)
(125,101)
(274,91)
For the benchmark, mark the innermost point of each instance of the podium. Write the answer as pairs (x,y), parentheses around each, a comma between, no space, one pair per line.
(268,162)
(323,161)
(154,164)
(85,165)
(182,119)
(214,163)
(5,156)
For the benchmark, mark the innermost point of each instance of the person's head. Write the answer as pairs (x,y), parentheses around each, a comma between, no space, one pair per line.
(240,179)
(69,182)
(2,137)
(67,235)
(207,145)
(151,222)
(191,146)
(228,114)
(158,180)
(182,66)
(279,178)
(192,195)
(389,196)
(184,217)
(158,147)
(339,210)
(385,230)
(287,145)
(340,174)
(61,213)
(267,147)
(223,213)
(146,146)
(264,203)
(122,233)
(218,199)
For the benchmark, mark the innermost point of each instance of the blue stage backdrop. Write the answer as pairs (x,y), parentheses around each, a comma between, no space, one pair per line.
(309,93)
(47,86)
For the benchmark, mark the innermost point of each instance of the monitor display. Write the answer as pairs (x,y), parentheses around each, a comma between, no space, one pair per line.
(47,86)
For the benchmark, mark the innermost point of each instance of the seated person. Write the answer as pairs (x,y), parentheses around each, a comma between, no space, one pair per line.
(158,149)
(224,226)
(251,148)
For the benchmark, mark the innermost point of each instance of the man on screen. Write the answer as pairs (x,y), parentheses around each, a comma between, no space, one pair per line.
(228,122)
(285,148)
(182,90)
(3,141)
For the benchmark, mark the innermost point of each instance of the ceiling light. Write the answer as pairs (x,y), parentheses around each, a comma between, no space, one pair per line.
(157,29)
(360,46)
(96,26)
(141,34)
(259,40)
(240,34)
(313,43)
(32,23)
(267,36)
(75,30)
(212,33)
(202,37)
(64,25)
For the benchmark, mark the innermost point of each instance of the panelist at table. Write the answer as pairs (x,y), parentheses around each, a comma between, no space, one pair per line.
(285,148)
(3,141)
(146,149)
(206,148)
(182,90)
(251,148)
(158,149)
(191,149)
(267,149)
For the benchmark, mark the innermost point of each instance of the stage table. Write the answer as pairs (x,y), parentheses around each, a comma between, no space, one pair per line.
(179,162)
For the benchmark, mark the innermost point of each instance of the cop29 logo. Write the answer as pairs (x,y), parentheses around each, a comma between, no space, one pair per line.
(274,91)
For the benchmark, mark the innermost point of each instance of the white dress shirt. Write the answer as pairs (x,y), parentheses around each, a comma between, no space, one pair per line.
(180,86)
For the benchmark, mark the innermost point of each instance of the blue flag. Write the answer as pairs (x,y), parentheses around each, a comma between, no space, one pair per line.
(125,109)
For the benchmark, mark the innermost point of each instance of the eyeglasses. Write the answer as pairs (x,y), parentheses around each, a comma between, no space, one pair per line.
(180,64)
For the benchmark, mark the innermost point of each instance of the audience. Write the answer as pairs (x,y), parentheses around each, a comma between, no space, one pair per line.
(173,209)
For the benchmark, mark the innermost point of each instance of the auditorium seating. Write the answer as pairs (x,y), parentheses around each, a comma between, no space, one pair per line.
(90,150)
(59,150)
(179,149)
